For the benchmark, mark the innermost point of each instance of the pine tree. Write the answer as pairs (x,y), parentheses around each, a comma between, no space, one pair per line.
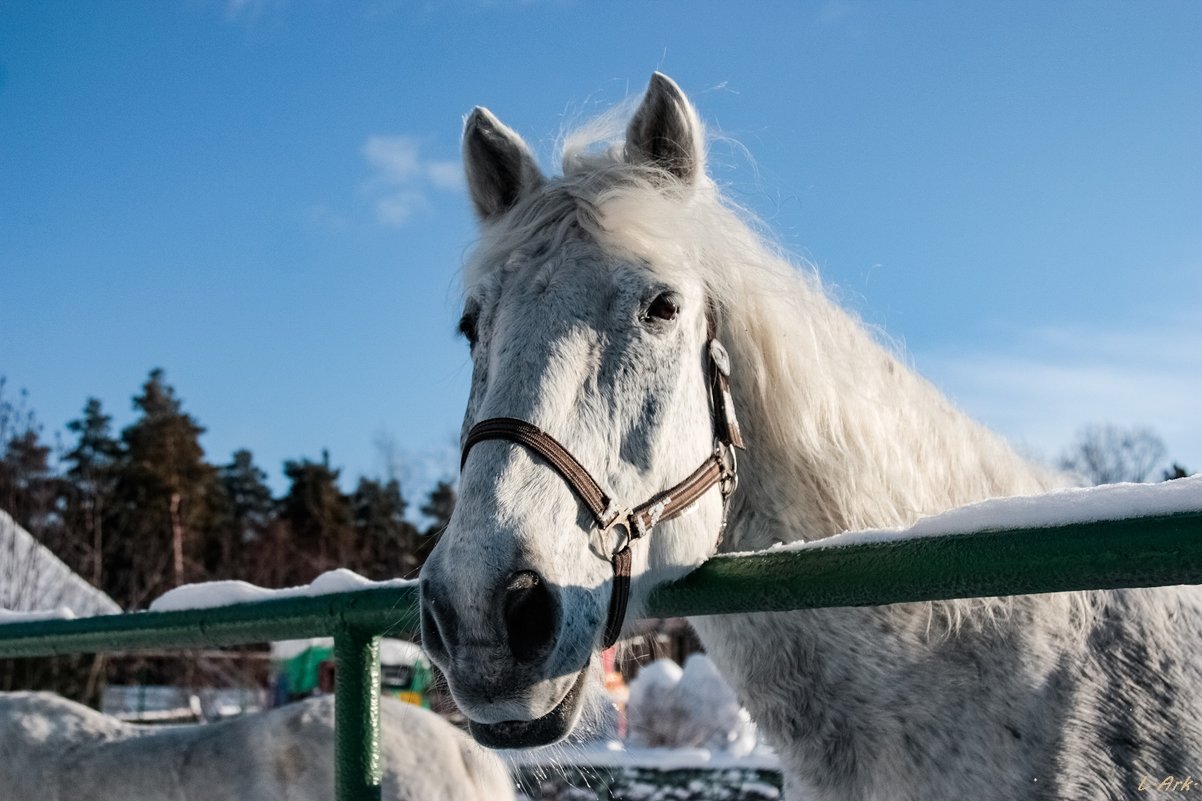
(318,516)
(247,512)
(91,474)
(27,483)
(387,542)
(167,498)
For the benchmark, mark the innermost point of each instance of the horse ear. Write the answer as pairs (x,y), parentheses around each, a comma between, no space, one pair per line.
(665,131)
(499,166)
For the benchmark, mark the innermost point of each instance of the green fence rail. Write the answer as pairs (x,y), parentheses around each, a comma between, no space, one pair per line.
(1141,552)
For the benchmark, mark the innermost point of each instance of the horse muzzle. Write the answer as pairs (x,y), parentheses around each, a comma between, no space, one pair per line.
(505,658)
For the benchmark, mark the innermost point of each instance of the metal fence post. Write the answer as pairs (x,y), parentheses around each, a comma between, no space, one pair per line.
(357,769)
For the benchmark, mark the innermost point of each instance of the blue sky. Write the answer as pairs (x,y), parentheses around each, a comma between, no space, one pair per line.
(263,197)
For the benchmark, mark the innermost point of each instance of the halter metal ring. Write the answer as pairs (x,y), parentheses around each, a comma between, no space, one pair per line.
(617,517)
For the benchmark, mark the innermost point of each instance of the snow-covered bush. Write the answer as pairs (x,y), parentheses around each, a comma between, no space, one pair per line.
(689,708)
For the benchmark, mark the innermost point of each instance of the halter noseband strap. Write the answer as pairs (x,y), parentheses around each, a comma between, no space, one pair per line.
(720,469)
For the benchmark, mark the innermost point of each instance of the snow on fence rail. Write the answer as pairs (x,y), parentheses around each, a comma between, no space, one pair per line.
(1151,536)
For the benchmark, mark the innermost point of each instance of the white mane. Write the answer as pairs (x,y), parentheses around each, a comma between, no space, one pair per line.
(800,376)
(828,431)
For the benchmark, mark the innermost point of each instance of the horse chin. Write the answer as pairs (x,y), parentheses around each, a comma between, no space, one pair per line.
(550,728)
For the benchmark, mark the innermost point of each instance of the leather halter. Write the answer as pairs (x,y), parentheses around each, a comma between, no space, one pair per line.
(720,469)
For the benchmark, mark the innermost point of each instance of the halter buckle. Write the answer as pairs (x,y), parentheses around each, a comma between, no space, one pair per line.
(613,515)
(728,479)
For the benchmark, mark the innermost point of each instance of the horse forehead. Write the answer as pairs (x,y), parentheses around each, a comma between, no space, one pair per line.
(579,284)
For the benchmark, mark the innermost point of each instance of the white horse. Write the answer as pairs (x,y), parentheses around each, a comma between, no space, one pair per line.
(52,749)
(590,301)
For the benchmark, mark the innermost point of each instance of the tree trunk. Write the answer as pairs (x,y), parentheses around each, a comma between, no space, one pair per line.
(177,539)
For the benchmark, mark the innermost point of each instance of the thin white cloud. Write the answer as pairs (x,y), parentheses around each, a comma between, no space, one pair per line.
(402,178)
(395,208)
(394,157)
(445,174)
(1040,389)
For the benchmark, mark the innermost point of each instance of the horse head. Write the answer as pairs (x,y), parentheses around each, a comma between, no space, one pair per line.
(598,448)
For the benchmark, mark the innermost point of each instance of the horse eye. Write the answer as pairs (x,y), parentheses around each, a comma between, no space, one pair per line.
(467,326)
(663,308)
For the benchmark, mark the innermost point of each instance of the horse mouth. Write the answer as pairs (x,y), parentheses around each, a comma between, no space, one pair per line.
(550,728)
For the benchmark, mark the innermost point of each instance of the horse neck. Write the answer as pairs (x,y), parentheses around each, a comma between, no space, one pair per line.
(841,435)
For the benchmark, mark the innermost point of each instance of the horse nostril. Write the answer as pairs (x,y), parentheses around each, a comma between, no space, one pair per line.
(530,614)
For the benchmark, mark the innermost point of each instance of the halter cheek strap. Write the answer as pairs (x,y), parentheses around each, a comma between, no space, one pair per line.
(720,469)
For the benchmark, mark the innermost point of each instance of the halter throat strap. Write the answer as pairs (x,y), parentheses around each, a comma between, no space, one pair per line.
(719,469)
